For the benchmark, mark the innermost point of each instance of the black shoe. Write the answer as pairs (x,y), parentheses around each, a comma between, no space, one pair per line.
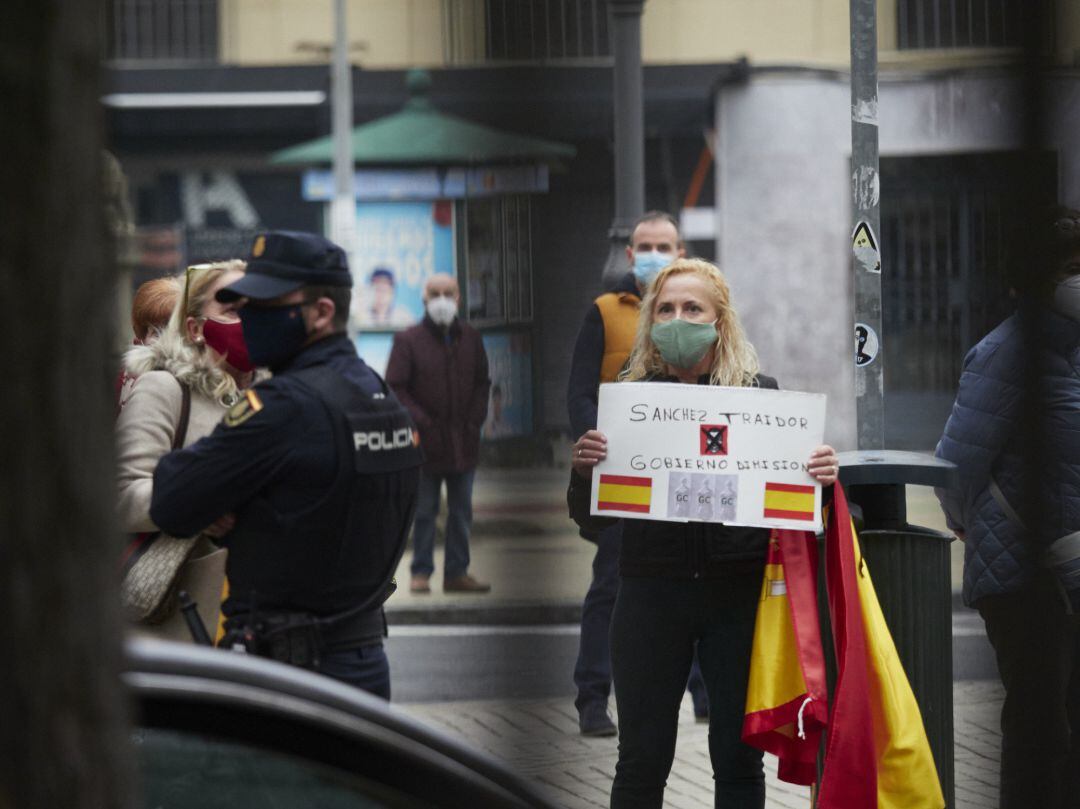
(595,722)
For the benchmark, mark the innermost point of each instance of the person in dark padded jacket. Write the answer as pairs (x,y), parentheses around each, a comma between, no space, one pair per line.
(685,583)
(1014,434)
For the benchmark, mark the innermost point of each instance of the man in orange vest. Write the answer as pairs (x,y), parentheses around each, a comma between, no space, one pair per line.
(602,348)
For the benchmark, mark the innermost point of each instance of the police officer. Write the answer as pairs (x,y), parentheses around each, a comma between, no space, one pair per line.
(319,465)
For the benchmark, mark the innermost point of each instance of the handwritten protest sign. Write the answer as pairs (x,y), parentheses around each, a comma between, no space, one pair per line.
(709,454)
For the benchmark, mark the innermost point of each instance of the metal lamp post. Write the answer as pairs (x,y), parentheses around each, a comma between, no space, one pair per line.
(629,122)
(910,564)
(343,208)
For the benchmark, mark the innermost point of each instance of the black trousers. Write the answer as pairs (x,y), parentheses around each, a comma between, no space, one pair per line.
(592,672)
(1038,655)
(654,627)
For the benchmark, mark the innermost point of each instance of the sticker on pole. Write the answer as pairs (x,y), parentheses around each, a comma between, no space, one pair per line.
(865,187)
(864,245)
(867,345)
(703,453)
(864,111)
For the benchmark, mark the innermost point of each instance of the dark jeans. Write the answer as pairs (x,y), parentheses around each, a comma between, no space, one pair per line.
(654,628)
(1038,650)
(458,523)
(365,667)
(592,672)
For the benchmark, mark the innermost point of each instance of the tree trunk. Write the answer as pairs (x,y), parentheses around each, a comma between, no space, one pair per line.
(63,717)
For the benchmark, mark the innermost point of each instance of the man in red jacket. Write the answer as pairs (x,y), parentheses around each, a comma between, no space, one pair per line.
(439,371)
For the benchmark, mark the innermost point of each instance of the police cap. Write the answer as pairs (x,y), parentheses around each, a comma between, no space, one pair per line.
(282,261)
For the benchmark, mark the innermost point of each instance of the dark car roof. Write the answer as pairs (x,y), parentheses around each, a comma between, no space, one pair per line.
(260,702)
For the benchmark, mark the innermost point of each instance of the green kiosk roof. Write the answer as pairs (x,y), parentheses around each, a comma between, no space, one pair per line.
(421,135)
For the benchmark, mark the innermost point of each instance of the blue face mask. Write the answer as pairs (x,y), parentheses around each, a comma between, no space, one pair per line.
(648,264)
(273,334)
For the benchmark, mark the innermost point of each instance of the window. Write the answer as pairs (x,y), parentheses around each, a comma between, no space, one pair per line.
(499,260)
(945,227)
(162,30)
(542,30)
(958,23)
(182,769)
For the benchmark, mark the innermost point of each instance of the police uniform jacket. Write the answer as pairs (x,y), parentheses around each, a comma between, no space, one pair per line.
(271,462)
(672,550)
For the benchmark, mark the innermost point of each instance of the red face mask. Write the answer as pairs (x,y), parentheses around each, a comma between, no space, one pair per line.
(227,339)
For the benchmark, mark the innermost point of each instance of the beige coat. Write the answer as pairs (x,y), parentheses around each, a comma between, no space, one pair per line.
(145,431)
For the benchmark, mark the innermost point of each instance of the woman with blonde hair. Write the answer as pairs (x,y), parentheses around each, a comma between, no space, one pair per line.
(685,584)
(186,379)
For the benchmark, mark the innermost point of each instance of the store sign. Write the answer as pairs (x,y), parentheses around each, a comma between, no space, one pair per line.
(430,183)
(201,215)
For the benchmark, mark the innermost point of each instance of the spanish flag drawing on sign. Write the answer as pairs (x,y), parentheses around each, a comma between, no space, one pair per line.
(624,493)
(788,501)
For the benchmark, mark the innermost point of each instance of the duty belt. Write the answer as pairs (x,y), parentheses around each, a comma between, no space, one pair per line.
(300,638)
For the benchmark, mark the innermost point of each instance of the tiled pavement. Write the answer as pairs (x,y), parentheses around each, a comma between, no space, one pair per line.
(539,738)
(977,742)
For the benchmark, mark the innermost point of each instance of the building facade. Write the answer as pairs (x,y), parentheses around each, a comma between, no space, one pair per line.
(747,117)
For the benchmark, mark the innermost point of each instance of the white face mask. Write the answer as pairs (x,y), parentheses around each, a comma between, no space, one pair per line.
(442,310)
(1067,297)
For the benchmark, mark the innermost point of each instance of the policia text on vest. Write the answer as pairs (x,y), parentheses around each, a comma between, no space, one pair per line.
(379,441)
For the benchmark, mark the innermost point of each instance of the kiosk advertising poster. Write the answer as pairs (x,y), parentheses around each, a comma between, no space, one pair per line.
(709,454)
(510,399)
(399,245)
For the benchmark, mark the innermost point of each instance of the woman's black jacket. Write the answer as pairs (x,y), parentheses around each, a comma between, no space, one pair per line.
(674,550)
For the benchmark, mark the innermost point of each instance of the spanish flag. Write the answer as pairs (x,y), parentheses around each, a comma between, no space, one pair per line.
(876,752)
(786,701)
(624,493)
(787,501)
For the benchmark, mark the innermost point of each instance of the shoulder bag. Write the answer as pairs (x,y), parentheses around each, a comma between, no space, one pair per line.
(152,561)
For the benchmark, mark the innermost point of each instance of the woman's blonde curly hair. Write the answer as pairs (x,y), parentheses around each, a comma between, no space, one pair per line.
(193,364)
(735,362)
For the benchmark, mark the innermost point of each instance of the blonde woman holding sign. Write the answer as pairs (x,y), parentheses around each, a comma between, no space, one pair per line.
(689,583)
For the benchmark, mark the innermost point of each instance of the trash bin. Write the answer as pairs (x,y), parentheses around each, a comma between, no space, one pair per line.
(910,568)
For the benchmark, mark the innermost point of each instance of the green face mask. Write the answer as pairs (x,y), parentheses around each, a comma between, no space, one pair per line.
(682,343)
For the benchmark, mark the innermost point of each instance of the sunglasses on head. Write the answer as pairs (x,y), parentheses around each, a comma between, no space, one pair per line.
(194,268)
